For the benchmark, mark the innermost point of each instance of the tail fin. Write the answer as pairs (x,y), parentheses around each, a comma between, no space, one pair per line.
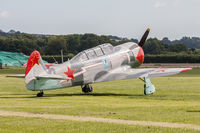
(35,66)
(37,75)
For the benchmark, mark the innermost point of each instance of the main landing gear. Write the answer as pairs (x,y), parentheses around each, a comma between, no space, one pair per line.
(86,88)
(40,94)
(149,88)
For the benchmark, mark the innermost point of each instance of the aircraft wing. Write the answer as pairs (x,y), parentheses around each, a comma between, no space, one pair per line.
(130,73)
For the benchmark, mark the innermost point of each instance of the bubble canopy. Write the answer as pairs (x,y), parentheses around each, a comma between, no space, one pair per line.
(92,53)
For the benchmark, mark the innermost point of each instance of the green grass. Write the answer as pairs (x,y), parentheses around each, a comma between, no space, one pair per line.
(36,125)
(12,70)
(177,100)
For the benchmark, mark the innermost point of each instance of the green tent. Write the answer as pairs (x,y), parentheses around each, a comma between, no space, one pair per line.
(13,59)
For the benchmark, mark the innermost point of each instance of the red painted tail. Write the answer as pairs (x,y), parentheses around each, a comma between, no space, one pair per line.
(35,67)
(32,61)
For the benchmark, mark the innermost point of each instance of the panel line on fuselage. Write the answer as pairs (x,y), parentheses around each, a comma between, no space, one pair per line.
(86,67)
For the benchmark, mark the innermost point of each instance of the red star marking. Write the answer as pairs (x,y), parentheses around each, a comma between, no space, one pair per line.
(70,74)
(162,70)
(35,59)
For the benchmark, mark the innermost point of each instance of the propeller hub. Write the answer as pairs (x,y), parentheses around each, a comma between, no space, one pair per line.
(140,55)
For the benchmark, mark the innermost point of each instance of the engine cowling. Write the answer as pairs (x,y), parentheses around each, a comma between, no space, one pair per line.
(138,57)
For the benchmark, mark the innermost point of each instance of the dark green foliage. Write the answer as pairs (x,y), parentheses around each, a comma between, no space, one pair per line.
(73,43)
(173,58)
(193,42)
(190,42)
(155,46)
(21,43)
(177,48)
(77,43)
(54,45)
(91,40)
(50,45)
(166,41)
(158,50)
(88,41)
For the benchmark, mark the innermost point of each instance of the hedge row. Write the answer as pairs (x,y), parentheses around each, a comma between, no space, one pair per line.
(172,58)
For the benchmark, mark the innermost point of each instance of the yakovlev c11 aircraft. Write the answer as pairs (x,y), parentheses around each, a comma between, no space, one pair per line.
(99,64)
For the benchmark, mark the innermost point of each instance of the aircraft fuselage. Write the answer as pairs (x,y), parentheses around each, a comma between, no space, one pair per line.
(91,65)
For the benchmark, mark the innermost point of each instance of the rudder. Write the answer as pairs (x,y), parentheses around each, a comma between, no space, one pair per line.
(35,67)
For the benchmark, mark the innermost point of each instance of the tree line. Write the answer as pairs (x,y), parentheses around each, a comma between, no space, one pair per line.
(50,45)
(74,43)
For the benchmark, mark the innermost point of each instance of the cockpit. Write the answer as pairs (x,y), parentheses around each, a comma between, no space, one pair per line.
(92,53)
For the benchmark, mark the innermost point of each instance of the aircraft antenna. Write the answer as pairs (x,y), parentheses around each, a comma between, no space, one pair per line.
(55,60)
(61,55)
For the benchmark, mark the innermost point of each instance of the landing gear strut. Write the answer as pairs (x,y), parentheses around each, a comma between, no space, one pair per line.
(40,94)
(87,88)
(149,88)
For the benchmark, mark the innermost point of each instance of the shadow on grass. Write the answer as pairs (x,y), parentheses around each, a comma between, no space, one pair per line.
(13,96)
(129,96)
(92,94)
(193,111)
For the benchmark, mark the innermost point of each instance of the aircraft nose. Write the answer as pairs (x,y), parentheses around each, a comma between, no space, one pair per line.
(140,55)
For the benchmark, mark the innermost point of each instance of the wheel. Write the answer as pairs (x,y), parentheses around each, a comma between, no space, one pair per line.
(83,88)
(87,88)
(40,94)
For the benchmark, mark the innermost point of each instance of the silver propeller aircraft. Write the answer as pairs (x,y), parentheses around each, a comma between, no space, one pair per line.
(99,64)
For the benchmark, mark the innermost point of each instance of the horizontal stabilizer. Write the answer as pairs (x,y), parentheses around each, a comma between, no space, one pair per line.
(47,76)
(16,75)
(50,76)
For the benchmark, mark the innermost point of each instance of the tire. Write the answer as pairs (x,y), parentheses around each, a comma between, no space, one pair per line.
(87,88)
(40,94)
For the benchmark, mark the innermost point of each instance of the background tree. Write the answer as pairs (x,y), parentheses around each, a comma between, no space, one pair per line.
(155,46)
(73,43)
(88,41)
(54,45)
(178,48)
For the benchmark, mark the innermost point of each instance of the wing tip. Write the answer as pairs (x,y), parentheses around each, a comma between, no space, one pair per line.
(186,69)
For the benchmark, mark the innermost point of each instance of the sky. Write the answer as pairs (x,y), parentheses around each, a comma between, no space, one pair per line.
(125,18)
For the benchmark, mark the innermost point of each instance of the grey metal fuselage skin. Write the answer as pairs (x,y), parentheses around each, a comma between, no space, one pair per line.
(90,66)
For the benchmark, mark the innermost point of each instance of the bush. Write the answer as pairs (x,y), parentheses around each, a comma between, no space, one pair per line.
(176,58)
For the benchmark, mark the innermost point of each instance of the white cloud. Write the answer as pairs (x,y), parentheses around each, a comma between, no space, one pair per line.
(159,4)
(4,14)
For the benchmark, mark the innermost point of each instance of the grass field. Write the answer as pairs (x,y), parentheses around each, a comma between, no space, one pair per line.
(177,100)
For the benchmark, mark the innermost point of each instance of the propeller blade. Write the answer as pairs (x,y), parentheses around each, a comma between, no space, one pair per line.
(144,37)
